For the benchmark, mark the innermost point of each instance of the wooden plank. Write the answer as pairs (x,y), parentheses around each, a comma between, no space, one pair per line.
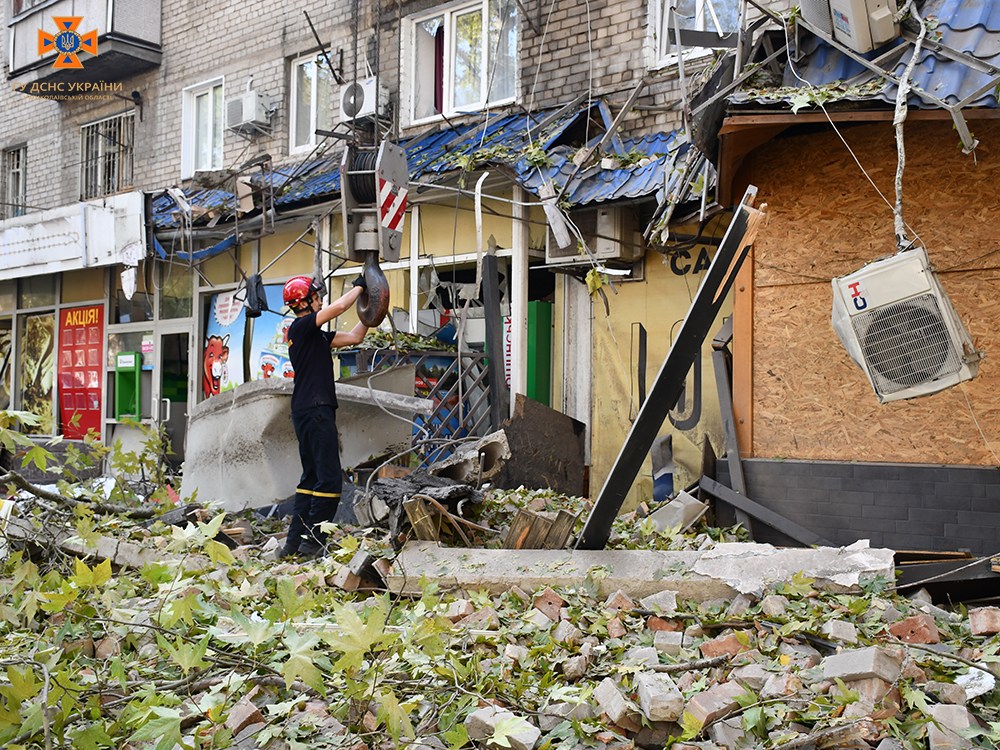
(420,519)
(742,346)
(800,534)
(560,530)
(519,529)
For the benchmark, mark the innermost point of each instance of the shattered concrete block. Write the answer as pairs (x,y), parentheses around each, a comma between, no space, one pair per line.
(860,664)
(644,656)
(575,667)
(840,630)
(616,629)
(773,605)
(728,733)
(556,713)
(539,619)
(890,743)
(781,685)
(800,654)
(549,603)
(663,603)
(668,642)
(619,600)
(872,689)
(459,609)
(726,645)
(659,698)
(716,702)
(693,632)
(753,676)
(516,653)
(679,513)
(947,692)
(984,620)
(613,703)
(482,619)
(655,735)
(567,633)
(242,715)
(917,629)
(481,725)
(859,709)
(739,606)
(948,720)
(977,681)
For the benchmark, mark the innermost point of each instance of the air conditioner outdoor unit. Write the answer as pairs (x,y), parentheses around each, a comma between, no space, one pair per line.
(863,25)
(609,232)
(247,113)
(897,323)
(357,100)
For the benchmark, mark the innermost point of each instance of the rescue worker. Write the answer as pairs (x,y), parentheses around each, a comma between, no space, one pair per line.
(314,408)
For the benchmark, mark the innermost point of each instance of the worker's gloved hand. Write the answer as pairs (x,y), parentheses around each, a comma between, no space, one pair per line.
(360,281)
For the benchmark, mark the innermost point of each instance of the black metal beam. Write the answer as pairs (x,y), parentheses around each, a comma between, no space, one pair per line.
(666,389)
(724,388)
(499,409)
(776,521)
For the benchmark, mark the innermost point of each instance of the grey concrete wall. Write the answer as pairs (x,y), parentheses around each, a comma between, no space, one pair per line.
(900,506)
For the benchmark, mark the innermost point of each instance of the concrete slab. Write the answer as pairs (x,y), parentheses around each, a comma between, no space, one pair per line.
(638,573)
(242,452)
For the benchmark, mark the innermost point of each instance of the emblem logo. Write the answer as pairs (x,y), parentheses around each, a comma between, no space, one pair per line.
(67,42)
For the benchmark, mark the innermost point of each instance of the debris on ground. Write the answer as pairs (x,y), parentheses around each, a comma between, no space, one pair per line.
(201,644)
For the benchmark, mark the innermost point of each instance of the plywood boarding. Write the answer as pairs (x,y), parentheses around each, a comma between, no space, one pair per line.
(810,400)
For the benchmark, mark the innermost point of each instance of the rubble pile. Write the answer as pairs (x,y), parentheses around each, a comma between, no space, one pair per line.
(200,644)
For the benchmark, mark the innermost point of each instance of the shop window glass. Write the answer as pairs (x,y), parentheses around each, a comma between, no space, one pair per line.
(176,292)
(38,291)
(6,362)
(38,333)
(137,309)
(86,285)
(133,341)
(8,296)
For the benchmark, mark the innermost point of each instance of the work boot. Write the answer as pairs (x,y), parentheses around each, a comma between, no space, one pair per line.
(310,550)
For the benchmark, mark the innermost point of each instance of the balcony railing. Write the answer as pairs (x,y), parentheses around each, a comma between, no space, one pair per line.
(128,41)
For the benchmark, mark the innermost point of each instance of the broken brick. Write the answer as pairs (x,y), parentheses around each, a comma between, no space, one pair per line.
(984,620)
(725,645)
(549,603)
(916,629)
(615,628)
(619,601)
(716,702)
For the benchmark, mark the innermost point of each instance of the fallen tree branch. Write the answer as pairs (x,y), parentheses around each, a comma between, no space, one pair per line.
(12,477)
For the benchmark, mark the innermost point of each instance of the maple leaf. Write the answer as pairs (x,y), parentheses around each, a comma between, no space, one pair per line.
(257,630)
(183,608)
(301,662)
(356,637)
(165,728)
(219,553)
(91,578)
(506,727)
(293,604)
(187,655)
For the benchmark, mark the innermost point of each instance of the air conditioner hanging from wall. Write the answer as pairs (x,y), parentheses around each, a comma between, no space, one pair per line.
(896,321)
(357,100)
(247,113)
(610,234)
(861,25)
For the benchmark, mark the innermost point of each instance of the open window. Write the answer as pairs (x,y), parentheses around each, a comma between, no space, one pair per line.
(201,139)
(703,25)
(311,102)
(462,59)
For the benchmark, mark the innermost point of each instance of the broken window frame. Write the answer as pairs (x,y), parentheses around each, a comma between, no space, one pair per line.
(107,155)
(444,57)
(321,75)
(192,124)
(663,47)
(13,182)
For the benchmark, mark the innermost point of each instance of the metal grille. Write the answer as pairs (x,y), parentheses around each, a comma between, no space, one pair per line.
(906,344)
(459,389)
(106,156)
(13,196)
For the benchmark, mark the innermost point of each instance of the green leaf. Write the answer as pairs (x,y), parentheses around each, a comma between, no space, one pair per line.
(802,98)
(507,726)
(690,726)
(357,637)
(300,664)
(57,601)
(914,698)
(93,737)
(165,728)
(187,655)
(292,602)
(219,553)
(183,609)
(395,715)
(23,685)
(257,631)
(91,578)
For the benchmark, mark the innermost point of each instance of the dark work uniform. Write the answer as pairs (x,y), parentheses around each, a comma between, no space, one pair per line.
(314,416)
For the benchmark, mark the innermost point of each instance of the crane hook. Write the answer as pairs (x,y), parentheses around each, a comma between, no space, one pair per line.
(373,303)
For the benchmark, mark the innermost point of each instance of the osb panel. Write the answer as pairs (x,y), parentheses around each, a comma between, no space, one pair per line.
(810,400)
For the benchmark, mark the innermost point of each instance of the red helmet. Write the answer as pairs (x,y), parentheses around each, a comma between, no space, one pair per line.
(298,289)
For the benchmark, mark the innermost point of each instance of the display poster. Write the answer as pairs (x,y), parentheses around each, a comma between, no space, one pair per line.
(81,377)
(6,364)
(38,370)
(269,343)
(222,358)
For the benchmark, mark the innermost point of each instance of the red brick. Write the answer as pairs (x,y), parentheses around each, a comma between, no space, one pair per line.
(917,629)
(549,603)
(728,645)
(984,620)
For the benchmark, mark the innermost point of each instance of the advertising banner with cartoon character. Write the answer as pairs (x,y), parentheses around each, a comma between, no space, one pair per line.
(269,344)
(222,360)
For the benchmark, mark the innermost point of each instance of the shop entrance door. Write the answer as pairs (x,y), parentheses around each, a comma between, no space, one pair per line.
(172,389)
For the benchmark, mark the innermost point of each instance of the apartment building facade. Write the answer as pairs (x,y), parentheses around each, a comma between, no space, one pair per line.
(138,190)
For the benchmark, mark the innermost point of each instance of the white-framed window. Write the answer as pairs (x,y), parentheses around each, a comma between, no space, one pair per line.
(311,98)
(13,193)
(705,25)
(201,137)
(107,149)
(462,58)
